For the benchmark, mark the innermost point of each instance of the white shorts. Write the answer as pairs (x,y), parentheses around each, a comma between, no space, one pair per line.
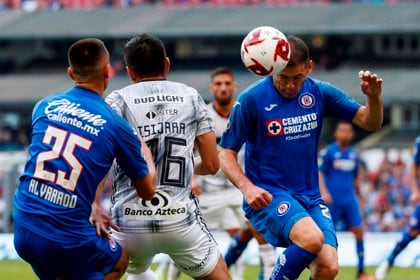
(222,210)
(192,248)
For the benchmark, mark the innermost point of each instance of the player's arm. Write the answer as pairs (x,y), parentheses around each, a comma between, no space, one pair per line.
(370,116)
(325,194)
(209,160)
(99,217)
(146,185)
(255,196)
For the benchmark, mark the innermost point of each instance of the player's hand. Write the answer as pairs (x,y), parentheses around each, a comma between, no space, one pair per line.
(257,197)
(370,83)
(101,220)
(196,187)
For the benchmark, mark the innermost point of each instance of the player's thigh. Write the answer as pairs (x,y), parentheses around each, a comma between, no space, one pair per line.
(276,220)
(220,272)
(193,249)
(353,215)
(140,247)
(320,213)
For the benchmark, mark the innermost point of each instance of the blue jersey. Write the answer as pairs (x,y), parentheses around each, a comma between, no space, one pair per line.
(75,138)
(417,151)
(282,134)
(340,169)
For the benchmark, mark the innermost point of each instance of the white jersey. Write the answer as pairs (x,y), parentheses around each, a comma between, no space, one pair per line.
(169,116)
(217,182)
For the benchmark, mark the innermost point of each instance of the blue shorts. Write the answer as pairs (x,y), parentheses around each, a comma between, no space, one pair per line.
(414,222)
(349,214)
(276,220)
(91,258)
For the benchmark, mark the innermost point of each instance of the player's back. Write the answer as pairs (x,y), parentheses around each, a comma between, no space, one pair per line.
(72,148)
(169,116)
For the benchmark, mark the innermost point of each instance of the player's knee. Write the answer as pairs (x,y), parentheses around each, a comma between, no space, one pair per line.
(312,241)
(122,264)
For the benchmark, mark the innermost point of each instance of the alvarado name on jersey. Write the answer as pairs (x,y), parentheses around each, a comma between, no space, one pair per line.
(51,194)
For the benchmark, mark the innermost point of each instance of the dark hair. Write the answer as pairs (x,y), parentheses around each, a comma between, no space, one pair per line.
(85,57)
(299,51)
(221,70)
(145,55)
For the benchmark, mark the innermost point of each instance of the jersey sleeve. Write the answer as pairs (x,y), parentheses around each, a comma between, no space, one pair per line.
(129,156)
(241,120)
(204,121)
(417,151)
(338,103)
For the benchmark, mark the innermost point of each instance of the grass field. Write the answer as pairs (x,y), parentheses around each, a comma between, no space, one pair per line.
(17,270)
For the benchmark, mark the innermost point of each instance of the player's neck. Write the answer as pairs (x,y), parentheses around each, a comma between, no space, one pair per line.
(343,145)
(223,110)
(92,87)
(161,77)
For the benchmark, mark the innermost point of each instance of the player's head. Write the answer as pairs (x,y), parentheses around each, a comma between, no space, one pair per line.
(344,133)
(222,85)
(145,57)
(290,80)
(89,62)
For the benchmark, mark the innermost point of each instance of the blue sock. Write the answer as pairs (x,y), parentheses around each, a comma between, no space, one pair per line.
(291,263)
(235,250)
(406,238)
(261,274)
(360,256)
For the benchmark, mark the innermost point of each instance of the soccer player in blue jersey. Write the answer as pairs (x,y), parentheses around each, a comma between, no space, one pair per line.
(414,225)
(75,139)
(279,118)
(339,186)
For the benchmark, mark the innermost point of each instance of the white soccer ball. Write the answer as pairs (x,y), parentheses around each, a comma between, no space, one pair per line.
(265,51)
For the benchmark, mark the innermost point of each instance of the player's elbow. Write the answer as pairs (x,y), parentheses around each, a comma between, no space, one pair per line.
(145,187)
(212,167)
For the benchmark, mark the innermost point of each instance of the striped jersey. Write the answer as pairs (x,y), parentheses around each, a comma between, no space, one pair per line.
(169,116)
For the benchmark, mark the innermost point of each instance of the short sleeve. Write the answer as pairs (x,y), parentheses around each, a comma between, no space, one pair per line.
(115,101)
(323,160)
(204,121)
(129,156)
(338,103)
(241,120)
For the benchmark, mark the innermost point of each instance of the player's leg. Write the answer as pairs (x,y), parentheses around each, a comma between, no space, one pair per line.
(325,266)
(173,271)
(267,255)
(285,222)
(141,251)
(195,251)
(407,236)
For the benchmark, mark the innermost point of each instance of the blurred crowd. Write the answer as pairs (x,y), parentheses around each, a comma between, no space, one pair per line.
(54,5)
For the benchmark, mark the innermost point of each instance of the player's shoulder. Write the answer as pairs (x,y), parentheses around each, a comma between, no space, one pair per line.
(330,148)
(256,89)
(418,140)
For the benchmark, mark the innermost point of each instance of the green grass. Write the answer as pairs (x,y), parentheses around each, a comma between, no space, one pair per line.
(13,270)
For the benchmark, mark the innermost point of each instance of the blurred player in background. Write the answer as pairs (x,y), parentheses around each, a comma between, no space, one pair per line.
(75,138)
(172,118)
(220,202)
(414,225)
(280,119)
(339,184)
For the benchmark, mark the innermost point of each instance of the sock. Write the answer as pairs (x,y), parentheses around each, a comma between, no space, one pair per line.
(406,238)
(291,263)
(238,269)
(163,267)
(235,249)
(360,256)
(267,260)
(173,271)
(147,275)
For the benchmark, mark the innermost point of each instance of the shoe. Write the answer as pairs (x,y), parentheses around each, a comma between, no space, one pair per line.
(364,276)
(382,270)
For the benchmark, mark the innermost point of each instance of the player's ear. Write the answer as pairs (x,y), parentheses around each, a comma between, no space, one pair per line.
(70,73)
(167,65)
(108,71)
(131,74)
(310,67)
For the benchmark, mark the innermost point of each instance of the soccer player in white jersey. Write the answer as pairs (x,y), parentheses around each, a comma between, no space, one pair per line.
(220,201)
(172,118)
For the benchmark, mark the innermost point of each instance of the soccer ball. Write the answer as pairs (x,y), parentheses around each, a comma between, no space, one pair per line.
(265,51)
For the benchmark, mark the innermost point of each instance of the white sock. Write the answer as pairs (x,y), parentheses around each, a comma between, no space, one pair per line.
(238,269)
(173,271)
(162,267)
(268,259)
(147,275)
